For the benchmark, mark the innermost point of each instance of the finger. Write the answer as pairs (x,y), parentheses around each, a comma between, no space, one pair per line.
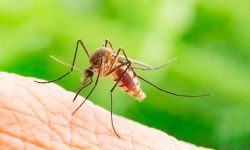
(39,116)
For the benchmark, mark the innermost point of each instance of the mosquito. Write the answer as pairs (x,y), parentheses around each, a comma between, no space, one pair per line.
(104,61)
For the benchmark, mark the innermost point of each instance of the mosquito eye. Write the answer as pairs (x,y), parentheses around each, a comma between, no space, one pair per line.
(91,73)
(88,73)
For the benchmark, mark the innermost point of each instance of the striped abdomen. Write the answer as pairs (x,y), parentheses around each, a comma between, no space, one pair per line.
(128,83)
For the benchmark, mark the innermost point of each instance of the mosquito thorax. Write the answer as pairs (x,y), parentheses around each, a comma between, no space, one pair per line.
(101,54)
(96,58)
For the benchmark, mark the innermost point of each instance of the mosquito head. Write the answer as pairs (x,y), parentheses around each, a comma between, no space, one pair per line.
(88,73)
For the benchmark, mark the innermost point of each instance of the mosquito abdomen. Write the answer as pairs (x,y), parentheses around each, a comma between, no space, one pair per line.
(128,83)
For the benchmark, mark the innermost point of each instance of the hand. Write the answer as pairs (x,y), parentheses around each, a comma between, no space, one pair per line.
(39,116)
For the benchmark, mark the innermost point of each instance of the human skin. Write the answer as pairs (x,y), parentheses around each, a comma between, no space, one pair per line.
(39,116)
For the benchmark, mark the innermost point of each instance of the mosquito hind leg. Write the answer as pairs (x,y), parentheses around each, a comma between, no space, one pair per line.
(72,65)
(163,90)
(111,99)
(116,58)
(169,92)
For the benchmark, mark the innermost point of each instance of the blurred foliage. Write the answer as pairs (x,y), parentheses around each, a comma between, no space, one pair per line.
(210,39)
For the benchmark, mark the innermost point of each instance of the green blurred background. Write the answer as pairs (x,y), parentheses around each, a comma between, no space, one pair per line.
(210,39)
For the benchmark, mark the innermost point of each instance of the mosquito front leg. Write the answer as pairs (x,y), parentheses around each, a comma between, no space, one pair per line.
(85,49)
(107,42)
(83,85)
(111,98)
(96,82)
(73,63)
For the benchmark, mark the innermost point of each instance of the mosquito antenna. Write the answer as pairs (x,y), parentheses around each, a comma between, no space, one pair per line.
(172,93)
(158,67)
(64,63)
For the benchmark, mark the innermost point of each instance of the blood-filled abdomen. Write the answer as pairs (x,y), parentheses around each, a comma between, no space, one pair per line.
(128,82)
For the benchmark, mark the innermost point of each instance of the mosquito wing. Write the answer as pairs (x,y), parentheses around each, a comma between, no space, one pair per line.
(135,62)
(144,66)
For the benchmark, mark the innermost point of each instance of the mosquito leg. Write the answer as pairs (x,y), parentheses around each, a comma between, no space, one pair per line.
(123,51)
(111,99)
(115,59)
(73,63)
(86,96)
(111,116)
(117,56)
(96,82)
(163,90)
(81,88)
(172,93)
(107,42)
(184,95)
(85,49)
(123,64)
